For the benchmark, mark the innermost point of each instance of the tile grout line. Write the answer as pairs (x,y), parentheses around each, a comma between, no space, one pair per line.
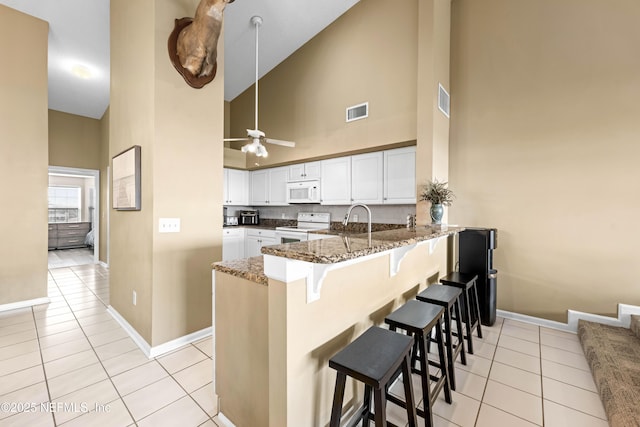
(96,354)
(183,389)
(98,357)
(486,384)
(154,359)
(44,372)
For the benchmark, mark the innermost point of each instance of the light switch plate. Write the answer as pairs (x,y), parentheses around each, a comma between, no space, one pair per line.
(169,225)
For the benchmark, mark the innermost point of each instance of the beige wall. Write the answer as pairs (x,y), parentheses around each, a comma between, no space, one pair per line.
(180,130)
(74,141)
(23,163)
(544,146)
(304,98)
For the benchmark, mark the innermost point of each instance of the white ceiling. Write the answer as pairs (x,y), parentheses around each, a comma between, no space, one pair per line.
(79,35)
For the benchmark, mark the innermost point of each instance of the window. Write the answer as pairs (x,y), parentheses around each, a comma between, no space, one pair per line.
(64,204)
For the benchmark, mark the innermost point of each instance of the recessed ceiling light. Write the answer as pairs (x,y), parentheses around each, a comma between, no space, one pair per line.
(81,71)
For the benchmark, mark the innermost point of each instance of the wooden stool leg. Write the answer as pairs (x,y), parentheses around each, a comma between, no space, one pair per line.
(338,395)
(381,406)
(449,346)
(467,320)
(408,392)
(477,309)
(424,376)
(443,363)
(456,307)
(367,406)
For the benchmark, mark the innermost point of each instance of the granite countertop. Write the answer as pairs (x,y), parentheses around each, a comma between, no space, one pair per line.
(251,269)
(351,246)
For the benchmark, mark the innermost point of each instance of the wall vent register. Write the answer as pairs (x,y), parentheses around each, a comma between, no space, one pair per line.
(357,112)
(443,100)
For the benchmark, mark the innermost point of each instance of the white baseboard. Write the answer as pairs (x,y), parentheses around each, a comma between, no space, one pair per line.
(624,318)
(161,349)
(224,420)
(23,304)
(103,264)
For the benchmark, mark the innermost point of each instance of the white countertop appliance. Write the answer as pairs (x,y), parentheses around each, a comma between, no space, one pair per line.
(307,222)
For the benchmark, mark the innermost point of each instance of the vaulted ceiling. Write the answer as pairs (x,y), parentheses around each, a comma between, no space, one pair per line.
(79,44)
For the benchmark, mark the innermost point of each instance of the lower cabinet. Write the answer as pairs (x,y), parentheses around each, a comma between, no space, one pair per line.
(68,235)
(232,243)
(256,239)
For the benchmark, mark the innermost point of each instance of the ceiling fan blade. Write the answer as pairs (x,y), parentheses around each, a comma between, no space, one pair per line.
(235,139)
(280,142)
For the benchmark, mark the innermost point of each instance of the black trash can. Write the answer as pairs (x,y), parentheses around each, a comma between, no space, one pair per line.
(475,256)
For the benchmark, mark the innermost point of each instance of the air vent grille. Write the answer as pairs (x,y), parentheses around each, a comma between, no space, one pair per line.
(443,100)
(357,112)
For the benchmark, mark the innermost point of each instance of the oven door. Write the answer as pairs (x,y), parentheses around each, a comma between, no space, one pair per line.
(291,236)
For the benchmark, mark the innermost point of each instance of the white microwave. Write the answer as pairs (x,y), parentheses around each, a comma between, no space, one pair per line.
(303,191)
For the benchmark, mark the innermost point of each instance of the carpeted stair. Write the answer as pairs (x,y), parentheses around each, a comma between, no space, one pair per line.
(613,354)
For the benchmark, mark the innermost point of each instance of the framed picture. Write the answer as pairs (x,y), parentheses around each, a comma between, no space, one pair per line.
(126,180)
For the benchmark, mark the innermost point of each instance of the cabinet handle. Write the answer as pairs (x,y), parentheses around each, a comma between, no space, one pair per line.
(73,226)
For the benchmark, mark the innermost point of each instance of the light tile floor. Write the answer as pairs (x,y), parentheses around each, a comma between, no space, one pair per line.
(520,375)
(72,355)
(70,257)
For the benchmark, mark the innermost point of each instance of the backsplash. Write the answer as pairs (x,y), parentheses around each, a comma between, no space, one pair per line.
(382,214)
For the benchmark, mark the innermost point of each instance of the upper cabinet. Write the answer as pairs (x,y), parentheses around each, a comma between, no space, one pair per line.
(367,178)
(383,177)
(305,171)
(400,176)
(269,187)
(236,187)
(335,181)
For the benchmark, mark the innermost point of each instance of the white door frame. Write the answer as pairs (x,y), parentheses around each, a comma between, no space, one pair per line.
(96,217)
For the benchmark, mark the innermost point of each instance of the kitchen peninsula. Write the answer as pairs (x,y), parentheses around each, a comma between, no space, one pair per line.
(279,317)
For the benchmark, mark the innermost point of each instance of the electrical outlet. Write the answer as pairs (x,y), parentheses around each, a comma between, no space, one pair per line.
(135,298)
(169,225)
(355,218)
(283,215)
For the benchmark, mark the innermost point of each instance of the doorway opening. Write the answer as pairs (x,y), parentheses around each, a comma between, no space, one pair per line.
(74,216)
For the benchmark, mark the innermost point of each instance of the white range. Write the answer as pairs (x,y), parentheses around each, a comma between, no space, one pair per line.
(307,222)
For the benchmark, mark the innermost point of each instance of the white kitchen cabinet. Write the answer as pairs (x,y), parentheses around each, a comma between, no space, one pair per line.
(335,181)
(269,187)
(233,243)
(278,186)
(259,187)
(367,178)
(256,239)
(236,187)
(400,176)
(304,171)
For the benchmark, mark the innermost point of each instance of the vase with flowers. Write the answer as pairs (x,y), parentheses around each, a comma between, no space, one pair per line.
(439,195)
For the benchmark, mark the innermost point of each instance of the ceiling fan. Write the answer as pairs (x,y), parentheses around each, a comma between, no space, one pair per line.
(255,136)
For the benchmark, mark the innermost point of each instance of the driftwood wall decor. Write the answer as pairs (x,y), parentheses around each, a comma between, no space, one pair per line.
(193,43)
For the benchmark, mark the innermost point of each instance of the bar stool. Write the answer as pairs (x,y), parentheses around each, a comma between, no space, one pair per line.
(471,310)
(373,358)
(419,319)
(448,297)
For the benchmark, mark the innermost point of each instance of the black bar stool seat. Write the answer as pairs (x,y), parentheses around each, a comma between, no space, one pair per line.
(373,358)
(419,319)
(471,310)
(448,297)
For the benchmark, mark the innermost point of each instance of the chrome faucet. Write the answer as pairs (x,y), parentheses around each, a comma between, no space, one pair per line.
(346,218)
